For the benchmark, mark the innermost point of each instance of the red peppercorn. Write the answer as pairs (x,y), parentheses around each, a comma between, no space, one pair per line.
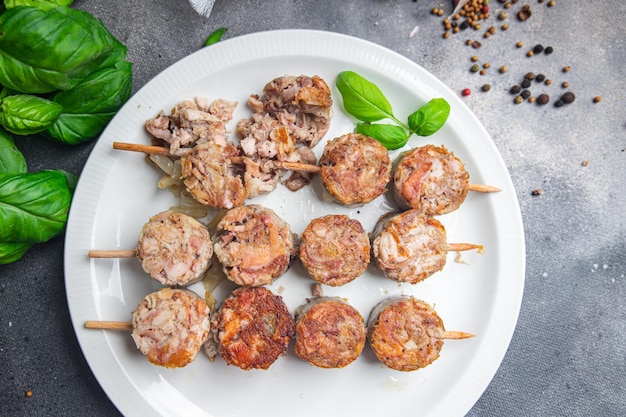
(466,92)
(485,9)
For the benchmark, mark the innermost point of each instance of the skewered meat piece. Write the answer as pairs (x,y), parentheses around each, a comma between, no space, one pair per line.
(175,249)
(405,333)
(192,122)
(211,177)
(302,104)
(254,245)
(355,169)
(253,328)
(335,249)
(170,326)
(330,333)
(409,246)
(431,179)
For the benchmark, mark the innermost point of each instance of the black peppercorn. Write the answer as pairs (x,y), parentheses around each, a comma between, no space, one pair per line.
(540,78)
(543,99)
(558,103)
(464,25)
(548,50)
(526,83)
(515,89)
(538,49)
(525,94)
(568,97)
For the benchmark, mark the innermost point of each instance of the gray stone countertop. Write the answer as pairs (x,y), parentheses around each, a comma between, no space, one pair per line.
(567,356)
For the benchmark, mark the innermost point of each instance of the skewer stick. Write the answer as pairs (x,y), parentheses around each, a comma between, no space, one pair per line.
(292,166)
(108,325)
(457,335)
(122,253)
(457,247)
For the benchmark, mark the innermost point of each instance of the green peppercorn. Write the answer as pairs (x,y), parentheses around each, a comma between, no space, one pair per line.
(518,99)
(486,87)
(474,68)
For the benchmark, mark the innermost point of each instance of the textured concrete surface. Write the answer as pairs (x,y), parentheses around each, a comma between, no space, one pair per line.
(568,353)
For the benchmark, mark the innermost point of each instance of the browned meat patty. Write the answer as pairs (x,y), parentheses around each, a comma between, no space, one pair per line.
(430,179)
(355,169)
(329,333)
(254,245)
(335,249)
(409,246)
(405,333)
(253,328)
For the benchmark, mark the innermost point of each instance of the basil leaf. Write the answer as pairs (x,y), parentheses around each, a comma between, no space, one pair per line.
(215,37)
(390,136)
(42,51)
(362,98)
(41,4)
(12,251)
(430,117)
(11,159)
(88,107)
(25,114)
(34,206)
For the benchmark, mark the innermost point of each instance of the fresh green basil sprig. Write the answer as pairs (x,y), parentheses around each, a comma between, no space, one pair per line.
(215,37)
(366,102)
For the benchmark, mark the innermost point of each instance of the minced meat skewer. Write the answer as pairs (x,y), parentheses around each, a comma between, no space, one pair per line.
(170,326)
(254,245)
(410,246)
(355,169)
(174,249)
(334,249)
(191,123)
(330,333)
(406,334)
(211,178)
(301,103)
(252,328)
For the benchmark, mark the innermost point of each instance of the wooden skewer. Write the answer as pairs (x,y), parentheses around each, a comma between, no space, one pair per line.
(124,325)
(457,247)
(457,335)
(121,253)
(292,166)
(108,325)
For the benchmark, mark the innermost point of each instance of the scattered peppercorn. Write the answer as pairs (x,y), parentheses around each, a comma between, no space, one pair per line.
(584,163)
(538,191)
(548,50)
(597,99)
(29,393)
(551,3)
(515,89)
(446,35)
(530,53)
(567,68)
(486,65)
(525,94)
(483,72)
(476,44)
(474,68)
(466,92)
(503,15)
(519,44)
(530,76)
(526,83)
(504,27)
(547,81)
(558,103)
(524,14)
(568,97)
(564,84)
(503,69)
(543,99)
(486,87)
(474,58)
(538,49)
(531,99)
(518,99)
(540,78)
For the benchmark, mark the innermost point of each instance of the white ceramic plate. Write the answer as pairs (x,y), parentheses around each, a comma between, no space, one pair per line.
(117,193)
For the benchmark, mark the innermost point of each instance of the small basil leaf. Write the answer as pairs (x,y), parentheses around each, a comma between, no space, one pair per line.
(11,159)
(12,251)
(25,114)
(430,117)
(41,4)
(362,98)
(215,37)
(390,136)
